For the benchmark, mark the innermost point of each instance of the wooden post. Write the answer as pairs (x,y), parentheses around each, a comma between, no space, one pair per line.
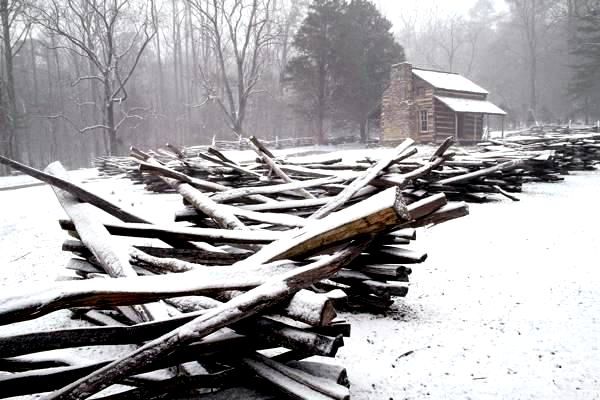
(456,127)
(503,127)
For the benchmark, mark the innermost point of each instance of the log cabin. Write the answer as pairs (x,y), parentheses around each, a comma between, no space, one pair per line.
(428,106)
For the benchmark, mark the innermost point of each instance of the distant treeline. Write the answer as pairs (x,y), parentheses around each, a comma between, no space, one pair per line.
(90,77)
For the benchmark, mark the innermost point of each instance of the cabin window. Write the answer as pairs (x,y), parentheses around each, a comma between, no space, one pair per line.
(423,120)
(420,92)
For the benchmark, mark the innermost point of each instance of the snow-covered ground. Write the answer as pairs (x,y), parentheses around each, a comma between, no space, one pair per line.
(507,305)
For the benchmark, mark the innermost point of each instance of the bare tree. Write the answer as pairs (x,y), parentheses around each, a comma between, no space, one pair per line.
(238,32)
(531,19)
(450,38)
(13,33)
(112,35)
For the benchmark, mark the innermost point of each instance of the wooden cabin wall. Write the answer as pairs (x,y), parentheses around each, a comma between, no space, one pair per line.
(444,120)
(462,95)
(424,101)
(471,131)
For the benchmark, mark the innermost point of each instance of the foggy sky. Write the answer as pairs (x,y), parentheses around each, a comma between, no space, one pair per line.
(392,9)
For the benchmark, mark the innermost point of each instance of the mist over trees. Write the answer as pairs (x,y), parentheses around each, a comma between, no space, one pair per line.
(530,57)
(82,78)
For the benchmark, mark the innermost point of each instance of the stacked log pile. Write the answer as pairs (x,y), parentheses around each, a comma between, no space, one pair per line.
(462,177)
(240,300)
(478,174)
(277,143)
(572,149)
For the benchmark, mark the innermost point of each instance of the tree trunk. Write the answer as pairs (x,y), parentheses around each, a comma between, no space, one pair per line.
(11,108)
(176,69)
(533,56)
(100,146)
(34,72)
(363,131)
(532,81)
(321,105)
(109,118)
(159,64)
(587,109)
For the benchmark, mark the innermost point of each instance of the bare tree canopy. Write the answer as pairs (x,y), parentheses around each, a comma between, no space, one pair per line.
(112,35)
(238,33)
(84,78)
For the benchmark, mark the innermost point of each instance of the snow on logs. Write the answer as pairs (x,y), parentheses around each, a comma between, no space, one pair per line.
(267,263)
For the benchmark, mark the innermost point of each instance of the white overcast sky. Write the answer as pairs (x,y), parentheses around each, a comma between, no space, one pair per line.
(392,9)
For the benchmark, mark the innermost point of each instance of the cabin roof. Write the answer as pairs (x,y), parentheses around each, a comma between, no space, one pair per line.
(448,81)
(470,105)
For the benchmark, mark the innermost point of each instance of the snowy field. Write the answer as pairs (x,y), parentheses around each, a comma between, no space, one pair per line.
(507,306)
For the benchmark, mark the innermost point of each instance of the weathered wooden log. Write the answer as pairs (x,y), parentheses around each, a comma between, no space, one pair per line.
(445,213)
(177,386)
(263,153)
(111,255)
(334,329)
(229,164)
(22,364)
(100,318)
(287,205)
(264,330)
(214,235)
(307,172)
(190,214)
(162,265)
(294,382)
(361,181)
(197,256)
(426,206)
(219,154)
(379,213)
(223,217)
(235,310)
(323,369)
(305,306)
(161,170)
(439,152)
(363,282)
(75,190)
(277,334)
(505,193)
(311,308)
(38,381)
(22,304)
(385,289)
(274,189)
(400,255)
(389,239)
(385,271)
(25,343)
(482,172)
(407,233)
(85,195)
(403,179)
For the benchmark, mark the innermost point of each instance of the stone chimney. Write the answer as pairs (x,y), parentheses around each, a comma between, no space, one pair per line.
(398,110)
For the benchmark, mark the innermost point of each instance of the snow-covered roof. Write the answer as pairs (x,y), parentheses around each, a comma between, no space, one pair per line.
(471,106)
(448,81)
